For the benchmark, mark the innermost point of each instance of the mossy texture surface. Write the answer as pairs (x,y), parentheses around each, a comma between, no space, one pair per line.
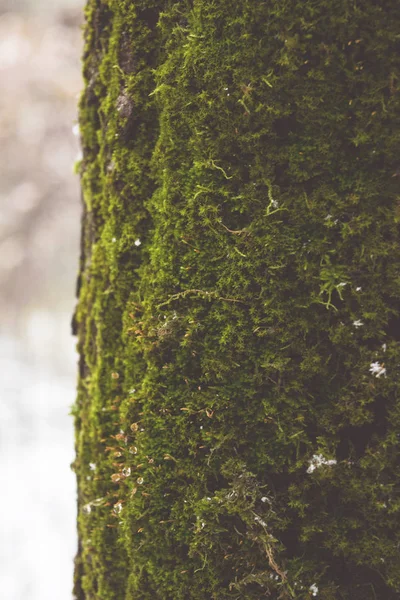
(238,412)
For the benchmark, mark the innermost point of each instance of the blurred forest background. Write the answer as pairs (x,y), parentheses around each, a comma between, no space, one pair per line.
(40,49)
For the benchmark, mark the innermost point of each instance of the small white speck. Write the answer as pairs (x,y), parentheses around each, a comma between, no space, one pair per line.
(328,217)
(114,240)
(137,242)
(377,369)
(126,471)
(118,507)
(384,347)
(314,589)
(92,466)
(75,129)
(358,323)
(341,284)
(259,520)
(132,390)
(87,509)
(358,289)
(226,89)
(317,461)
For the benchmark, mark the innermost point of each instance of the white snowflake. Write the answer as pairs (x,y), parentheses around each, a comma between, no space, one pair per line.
(318,460)
(259,520)
(358,323)
(377,369)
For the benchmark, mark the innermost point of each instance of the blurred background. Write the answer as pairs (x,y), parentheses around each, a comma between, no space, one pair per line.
(40,80)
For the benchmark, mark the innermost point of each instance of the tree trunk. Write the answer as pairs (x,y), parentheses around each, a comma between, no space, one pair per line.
(238,415)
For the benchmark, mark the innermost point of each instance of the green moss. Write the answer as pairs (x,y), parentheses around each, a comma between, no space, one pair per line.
(241,221)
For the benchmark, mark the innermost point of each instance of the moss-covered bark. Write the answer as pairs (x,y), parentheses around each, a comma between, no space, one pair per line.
(238,414)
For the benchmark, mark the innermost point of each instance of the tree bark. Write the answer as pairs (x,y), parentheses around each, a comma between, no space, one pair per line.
(238,415)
